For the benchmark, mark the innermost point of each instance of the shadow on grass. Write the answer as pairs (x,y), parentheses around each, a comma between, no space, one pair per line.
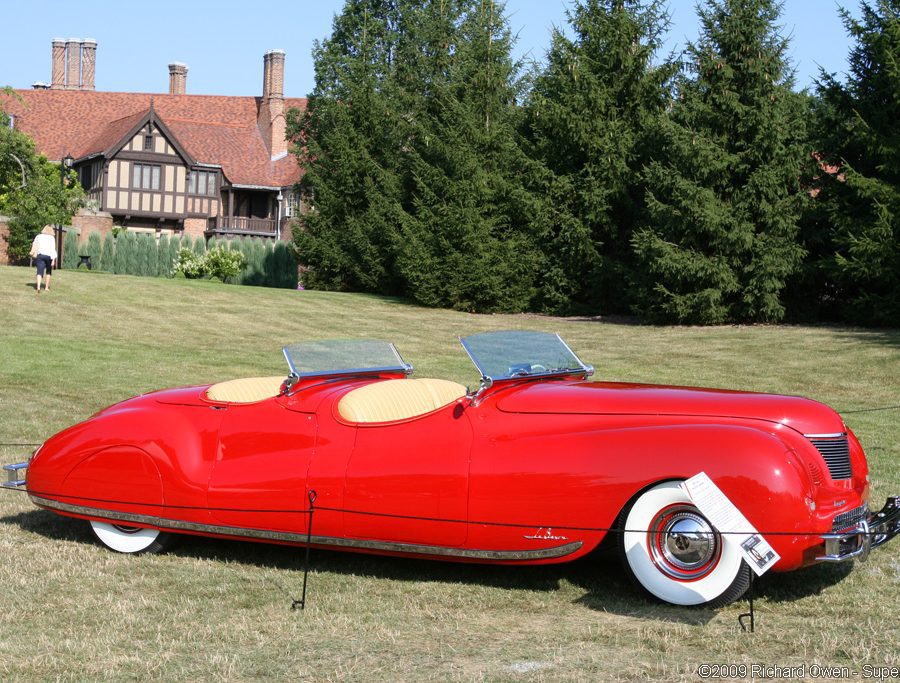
(883,336)
(801,583)
(606,586)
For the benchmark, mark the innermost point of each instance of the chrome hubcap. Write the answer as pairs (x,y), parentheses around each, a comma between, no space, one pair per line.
(683,544)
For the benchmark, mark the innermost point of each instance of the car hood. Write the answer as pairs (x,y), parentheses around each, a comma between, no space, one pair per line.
(608,398)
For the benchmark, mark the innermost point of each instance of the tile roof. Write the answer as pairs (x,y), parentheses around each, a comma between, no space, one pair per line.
(214,129)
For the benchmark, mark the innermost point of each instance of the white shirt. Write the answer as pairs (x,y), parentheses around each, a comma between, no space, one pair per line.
(46,245)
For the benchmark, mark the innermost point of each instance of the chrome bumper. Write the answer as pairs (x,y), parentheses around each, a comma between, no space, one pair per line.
(15,475)
(858,542)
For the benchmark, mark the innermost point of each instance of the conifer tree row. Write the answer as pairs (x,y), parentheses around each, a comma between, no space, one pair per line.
(609,179)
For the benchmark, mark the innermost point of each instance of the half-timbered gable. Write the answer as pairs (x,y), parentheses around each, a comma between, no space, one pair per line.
(148,175)
(192,164)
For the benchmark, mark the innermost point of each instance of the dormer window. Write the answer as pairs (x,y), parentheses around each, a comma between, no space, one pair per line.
(148,143)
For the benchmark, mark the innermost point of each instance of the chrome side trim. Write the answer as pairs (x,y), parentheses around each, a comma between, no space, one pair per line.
(836,435)
(300,538)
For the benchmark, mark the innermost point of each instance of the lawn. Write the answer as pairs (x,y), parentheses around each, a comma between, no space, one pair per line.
(221,610)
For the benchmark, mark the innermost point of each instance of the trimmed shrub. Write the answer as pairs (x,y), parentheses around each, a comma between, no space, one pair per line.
(107,253)
(175,246)
(93,248)
(256,262)
(163,262)
(124,259)
(70,250)
(284,265)
(200,246)
(145,255)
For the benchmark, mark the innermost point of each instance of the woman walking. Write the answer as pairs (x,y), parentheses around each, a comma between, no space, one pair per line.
(43,250)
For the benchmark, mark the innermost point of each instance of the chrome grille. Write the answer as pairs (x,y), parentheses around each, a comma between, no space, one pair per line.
(849,519)
(835,450)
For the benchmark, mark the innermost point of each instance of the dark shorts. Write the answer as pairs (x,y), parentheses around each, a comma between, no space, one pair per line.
(44,263)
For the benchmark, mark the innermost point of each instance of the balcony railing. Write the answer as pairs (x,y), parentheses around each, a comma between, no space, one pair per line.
(240,225)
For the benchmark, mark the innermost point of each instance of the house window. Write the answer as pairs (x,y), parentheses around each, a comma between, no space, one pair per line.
(86,176)
(202,183)
(148,143)
(145,176)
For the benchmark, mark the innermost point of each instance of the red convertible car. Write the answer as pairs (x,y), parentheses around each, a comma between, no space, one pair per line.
(537,465)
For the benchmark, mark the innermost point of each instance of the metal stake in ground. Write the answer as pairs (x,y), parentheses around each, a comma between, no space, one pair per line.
(301,603)
(748,615)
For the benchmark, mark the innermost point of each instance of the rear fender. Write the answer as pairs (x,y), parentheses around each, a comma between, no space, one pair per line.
(123,478)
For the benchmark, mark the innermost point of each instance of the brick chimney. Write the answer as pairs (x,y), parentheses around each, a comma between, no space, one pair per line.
(73,64)
(177,78)
(271,108)
(88,63)
(58,54)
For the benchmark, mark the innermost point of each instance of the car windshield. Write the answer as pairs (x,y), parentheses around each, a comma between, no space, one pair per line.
(344,357)
(518,353)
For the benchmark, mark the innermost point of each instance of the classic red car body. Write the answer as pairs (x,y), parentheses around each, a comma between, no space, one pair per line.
(526,470)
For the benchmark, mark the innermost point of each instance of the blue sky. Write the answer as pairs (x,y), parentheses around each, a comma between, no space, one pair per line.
(223,42)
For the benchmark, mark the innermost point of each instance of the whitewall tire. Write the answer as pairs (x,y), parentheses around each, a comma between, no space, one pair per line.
(673,552)
(129,539)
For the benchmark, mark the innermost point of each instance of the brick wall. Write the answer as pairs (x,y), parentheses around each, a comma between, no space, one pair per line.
(195,227)
(94,221)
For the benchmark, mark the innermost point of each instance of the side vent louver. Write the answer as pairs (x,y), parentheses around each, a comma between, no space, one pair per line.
(835,450)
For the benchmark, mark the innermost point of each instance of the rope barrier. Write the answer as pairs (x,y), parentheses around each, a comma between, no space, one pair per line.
(388,515)
(867,410)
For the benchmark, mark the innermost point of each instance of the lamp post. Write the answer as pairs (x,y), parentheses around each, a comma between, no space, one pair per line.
(64,167)
(279,199)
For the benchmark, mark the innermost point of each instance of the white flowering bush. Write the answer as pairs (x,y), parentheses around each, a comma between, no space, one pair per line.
(220,263)
(224,263)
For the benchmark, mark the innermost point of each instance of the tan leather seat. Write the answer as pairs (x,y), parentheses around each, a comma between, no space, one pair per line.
(398,399)
(246,390)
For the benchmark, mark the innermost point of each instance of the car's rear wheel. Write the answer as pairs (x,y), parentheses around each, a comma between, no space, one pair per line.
(675,554)
(130,539)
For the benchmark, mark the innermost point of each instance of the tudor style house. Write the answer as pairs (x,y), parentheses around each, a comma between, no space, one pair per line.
(168,163)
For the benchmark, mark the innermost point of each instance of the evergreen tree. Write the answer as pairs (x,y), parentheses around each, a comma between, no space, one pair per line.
(859,175)
(414,168)
(587,117)
(467,240)
(344,139)
(724,195)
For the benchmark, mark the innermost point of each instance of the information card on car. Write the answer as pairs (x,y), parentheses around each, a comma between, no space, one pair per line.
(728,520)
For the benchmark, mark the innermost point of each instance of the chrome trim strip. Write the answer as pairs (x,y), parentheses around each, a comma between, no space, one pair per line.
(300,538)
(836,435)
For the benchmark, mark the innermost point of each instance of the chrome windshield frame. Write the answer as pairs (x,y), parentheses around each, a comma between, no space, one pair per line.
(488,380)
(387,349)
